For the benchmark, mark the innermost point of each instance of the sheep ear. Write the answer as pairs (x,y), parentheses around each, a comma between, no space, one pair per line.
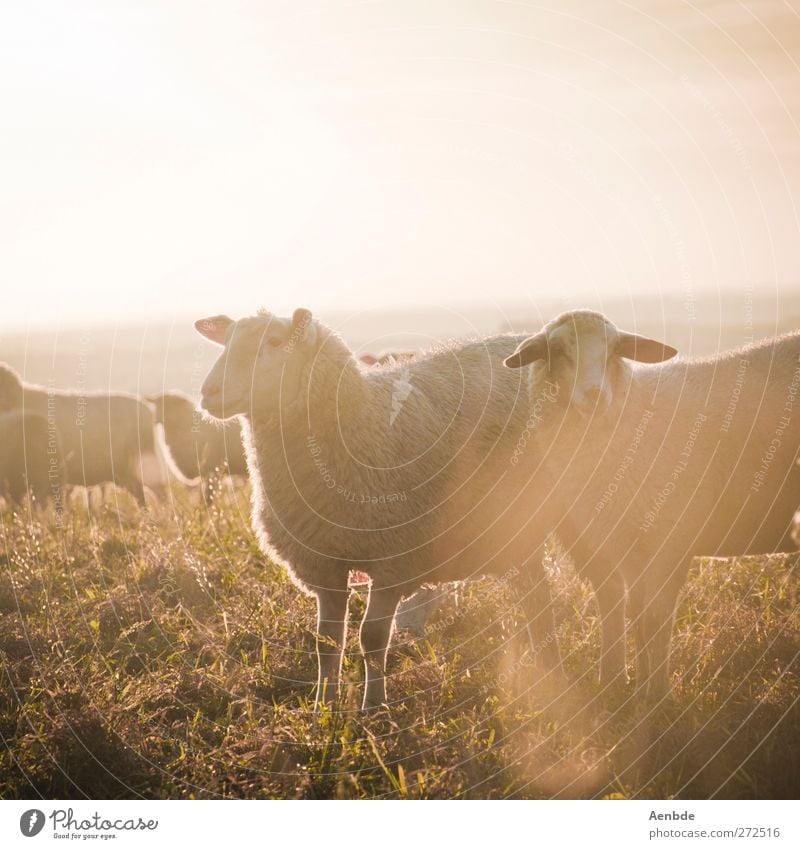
(643,350)
(302,326)
(532,349)
(368,359)
(214,328)
(301,318)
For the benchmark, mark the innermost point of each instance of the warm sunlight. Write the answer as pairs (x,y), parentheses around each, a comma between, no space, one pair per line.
(177,152)
(400,400)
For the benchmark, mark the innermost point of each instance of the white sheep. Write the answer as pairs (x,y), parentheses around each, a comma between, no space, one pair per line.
(104,437)
(412,613)
(387,358)
(197,448)
(656,464)
(399,472)
(30,458)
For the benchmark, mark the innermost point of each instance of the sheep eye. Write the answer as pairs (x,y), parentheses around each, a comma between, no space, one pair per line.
(274,342)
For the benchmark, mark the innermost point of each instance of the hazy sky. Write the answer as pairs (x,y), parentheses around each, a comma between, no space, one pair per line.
(169,158)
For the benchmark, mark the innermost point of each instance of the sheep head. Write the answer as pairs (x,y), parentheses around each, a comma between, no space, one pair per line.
(10,389)
(582,351)
(156,404)
(261,362)
(170,406)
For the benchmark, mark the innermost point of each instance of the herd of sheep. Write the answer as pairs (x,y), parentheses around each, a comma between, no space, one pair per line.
(51,439)
(415,470)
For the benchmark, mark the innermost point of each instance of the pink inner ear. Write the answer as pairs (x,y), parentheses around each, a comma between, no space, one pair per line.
(644,350)
(214,328)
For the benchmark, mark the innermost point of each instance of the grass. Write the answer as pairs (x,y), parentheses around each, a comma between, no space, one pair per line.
(162,655)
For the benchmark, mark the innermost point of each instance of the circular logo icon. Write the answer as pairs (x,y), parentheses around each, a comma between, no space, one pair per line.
(31,822)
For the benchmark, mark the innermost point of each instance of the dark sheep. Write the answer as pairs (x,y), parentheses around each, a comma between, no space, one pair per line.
(197,447)
(29,458)
(105,437)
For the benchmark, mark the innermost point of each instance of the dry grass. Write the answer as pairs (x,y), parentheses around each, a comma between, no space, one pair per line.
(162,656)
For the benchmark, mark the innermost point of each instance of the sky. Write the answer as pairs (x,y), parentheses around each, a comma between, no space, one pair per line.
(163,159)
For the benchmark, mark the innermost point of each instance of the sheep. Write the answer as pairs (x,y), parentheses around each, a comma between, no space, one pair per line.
(196,447)
(387,358)
(393,471)
(414,613)
(104,437)
(656,460)
(29,458)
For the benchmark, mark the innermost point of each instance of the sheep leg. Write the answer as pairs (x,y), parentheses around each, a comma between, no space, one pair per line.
(610,594)
(536,602)
(331,622)
(151,472)
(660,639)
(129,481)
(653,628)
(376,631)
(642,663)
(135,486)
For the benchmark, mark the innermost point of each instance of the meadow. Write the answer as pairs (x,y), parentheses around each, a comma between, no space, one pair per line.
(411,173)
(159,654)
